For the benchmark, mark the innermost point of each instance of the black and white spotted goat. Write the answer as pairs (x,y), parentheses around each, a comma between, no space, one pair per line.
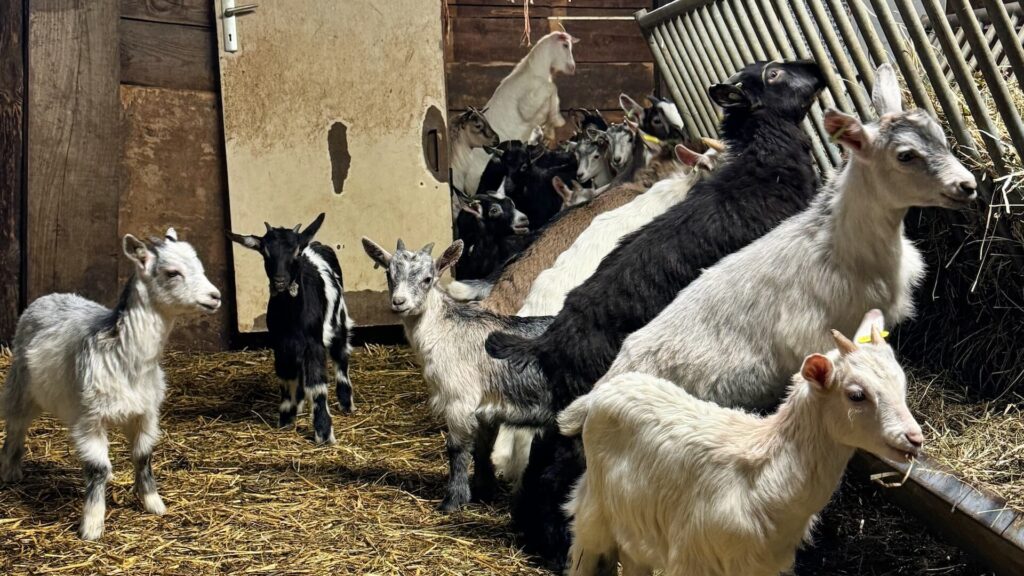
(307,319)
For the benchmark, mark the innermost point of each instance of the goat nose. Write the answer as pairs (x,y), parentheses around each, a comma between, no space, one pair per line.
(398,300)
(916,438)
(968,187)
(215,295)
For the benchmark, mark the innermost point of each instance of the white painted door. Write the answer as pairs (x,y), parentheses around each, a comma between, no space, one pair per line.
(328,106)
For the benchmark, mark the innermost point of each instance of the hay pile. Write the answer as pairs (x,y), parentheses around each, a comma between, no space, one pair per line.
(244,497)
(971,307)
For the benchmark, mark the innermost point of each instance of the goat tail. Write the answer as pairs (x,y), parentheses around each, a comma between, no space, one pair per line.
(570,420)
(514,348)
(470,290)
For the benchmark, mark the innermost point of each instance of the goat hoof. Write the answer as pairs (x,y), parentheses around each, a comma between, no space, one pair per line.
(91,528)
(485,493)
(319,439)
(450,505)
(11,474)
(153,504)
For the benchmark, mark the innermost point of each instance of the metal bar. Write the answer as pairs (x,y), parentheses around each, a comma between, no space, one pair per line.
(697,32)
(772,26)
(684,76)
(853,43)
(734,31)
(867,30)
(757,49)
(846,72)
(835,96)
(713,19)
(901,52)
(1000,20)
(674,88)
(700,66)
(652,19)
(1000,93)
(943,93)
(707,116)
(964,78)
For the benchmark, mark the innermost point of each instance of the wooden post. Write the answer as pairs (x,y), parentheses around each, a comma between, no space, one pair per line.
(12,106)
(74,148)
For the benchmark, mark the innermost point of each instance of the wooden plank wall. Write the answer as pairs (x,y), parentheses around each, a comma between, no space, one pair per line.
(482,44)
(12,108)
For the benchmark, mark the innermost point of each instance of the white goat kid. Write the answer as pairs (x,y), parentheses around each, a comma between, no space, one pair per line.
(685,485)
(765,307)
(526,98)
(96,368)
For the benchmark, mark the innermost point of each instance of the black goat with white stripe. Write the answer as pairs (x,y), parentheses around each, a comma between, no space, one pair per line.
(307,320)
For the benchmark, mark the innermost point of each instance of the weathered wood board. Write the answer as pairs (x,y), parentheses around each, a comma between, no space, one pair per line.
(12,138)
(74,148)
(172,175)
(349,80)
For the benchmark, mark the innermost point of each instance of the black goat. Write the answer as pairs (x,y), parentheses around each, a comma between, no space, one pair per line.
(661,119)
(586,120)
(493,231)
(307,320)
(526,172)
(769,177)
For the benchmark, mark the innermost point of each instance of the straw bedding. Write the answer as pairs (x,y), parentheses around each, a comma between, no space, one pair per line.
(245,497)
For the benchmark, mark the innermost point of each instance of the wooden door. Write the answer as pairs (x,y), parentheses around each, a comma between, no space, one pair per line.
(336,107)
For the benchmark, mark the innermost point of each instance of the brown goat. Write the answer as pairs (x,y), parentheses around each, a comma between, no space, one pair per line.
(514,283)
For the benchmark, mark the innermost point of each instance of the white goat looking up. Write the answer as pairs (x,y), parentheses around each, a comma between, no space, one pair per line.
(95,368)
(575,265)
(526,98)
(685,485)
(765,307)
(466,132)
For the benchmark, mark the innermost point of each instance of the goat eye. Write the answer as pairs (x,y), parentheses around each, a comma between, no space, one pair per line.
(906,156)
(173,274)
(427,280)
(856,395)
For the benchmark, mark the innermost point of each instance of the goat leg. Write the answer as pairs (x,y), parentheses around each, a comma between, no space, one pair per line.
(484,482)
(458,474)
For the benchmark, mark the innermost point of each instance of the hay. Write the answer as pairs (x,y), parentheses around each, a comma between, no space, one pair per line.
(245,497)
(971,308)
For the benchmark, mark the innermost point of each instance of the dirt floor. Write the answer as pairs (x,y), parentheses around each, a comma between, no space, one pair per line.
(245,497)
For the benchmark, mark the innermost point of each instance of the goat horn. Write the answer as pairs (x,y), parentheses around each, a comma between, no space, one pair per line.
(714,144)
(267,224)
(401,245)
(876,335)
(843,343)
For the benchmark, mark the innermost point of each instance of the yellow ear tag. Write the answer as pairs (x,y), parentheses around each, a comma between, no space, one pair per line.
(867,339)
(833,138)
(648,138)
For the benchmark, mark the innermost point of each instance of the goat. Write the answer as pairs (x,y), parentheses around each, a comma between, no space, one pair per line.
(468,131)
(592,158)
(579,261)
(661,119)
(845,253)
(584,120)
(493,230)
(447,337)
(528,96)
(768,178)
(508,291)
(307,320)
(96,368)
(620,147)
(682,484)
(526,172)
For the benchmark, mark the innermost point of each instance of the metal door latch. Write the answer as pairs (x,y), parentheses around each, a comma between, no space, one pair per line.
(230,30)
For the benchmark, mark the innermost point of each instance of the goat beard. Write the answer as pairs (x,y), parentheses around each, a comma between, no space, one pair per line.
(293,289)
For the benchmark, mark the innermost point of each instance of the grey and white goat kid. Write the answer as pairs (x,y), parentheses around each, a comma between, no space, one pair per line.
(620,147)
(96,368)
(307,320)
(448,337)
(592,156)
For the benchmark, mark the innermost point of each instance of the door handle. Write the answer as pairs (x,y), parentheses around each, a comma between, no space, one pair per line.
(230,28)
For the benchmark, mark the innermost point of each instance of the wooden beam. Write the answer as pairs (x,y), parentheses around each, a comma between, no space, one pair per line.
(168,55)
(12,139)
(74,147)
(192,12)
(498,40)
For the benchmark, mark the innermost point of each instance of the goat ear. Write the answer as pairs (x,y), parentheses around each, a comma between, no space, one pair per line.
(474,209)
(494,151)
(250,242)
(729,96)
(138,251)
(872,323)
(847,130)
(887,96)
(499,194)
(379,255)
(313,227)
(171,235)
(817,369)
(450,257)
(631,108)
(693,159)
(563,191)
